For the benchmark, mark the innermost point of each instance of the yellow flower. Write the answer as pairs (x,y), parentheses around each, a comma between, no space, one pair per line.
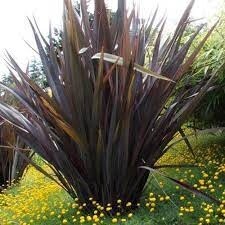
(114,220)
(129,215)
(201,182)
(210,211)
(64,221)
(95,217)
(82,220)
(152,204)
(181,198)
(167,197)
(128,204)
(152,199)
(89,218)
(223,212)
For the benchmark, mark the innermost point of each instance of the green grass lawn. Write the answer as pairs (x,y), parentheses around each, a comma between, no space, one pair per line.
(39,201)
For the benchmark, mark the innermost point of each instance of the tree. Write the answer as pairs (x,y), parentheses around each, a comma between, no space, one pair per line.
(37,74)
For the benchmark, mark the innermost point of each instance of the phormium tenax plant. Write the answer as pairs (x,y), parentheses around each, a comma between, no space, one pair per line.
(110,116)
(12,152)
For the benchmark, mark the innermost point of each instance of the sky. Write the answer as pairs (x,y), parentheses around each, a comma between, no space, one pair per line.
(15,27)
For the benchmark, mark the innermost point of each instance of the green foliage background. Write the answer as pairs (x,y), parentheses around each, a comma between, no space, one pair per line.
(210,112)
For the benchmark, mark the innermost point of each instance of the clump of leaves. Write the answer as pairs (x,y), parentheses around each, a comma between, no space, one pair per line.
(111,111)
(12,151)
